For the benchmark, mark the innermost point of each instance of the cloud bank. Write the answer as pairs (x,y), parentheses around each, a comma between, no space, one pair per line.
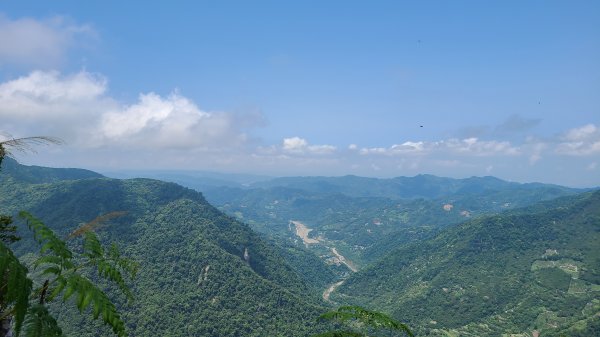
(105,132)
(77,108)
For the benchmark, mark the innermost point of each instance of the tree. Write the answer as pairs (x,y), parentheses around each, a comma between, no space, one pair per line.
(64,273)
(363,320)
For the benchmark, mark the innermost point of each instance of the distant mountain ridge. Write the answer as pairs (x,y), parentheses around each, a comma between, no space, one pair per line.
(420,186)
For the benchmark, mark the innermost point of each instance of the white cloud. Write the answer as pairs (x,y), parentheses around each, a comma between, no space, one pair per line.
(300,145)
(39,43)
(580,141)
(172,121)
(48,95)
(408,147)
(474,146)
(581,133)
(373,150)
(294,144)
(468,146)
(77,108)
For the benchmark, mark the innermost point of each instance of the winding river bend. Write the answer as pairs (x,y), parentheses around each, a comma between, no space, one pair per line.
(302,232)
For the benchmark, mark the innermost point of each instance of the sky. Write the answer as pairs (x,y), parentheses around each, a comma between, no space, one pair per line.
(372,88)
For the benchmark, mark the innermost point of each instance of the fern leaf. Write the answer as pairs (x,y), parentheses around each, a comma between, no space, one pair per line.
(54,270)
(88,294)
(39,323)
(97,222)
(91,246)
(46,237)
(47,259)
(110,272)
(369,318)
(15,284)
(61,283)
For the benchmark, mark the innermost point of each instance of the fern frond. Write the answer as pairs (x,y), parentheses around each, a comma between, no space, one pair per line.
(107,268)
(46,237)
(112,273)
(369,318)
(26,144)
(97,222)
(60,284)
(92,247)
(47,259)
(39,323)
(15,286)
(131,267)
(88,293)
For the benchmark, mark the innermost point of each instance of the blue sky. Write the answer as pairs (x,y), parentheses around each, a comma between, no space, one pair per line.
(504,88)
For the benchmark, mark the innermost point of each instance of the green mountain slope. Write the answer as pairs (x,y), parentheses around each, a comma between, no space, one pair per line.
(202,273)
(364,228)
(535,269)
(37,174)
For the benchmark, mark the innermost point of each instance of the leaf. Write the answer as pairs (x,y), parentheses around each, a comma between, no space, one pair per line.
(46,237)
(88,294)
(369,318)
(39,323)
(91,246)
(61,283)
(15,284)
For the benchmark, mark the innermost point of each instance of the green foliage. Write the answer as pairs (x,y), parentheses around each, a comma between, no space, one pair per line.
(57,262)
(50,243)
(7,232)
(364,319)
(367,217)
(15,287)
(511,273)
(39,323)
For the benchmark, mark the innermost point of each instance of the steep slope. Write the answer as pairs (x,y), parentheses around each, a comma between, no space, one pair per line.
(201,272)
(535,269)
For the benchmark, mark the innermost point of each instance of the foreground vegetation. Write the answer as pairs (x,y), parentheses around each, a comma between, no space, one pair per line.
(200,271)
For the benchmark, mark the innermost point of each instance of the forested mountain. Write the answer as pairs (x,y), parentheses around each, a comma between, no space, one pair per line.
(460,258)
(531,271)
(366,217)
(37,174)
(202,273)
